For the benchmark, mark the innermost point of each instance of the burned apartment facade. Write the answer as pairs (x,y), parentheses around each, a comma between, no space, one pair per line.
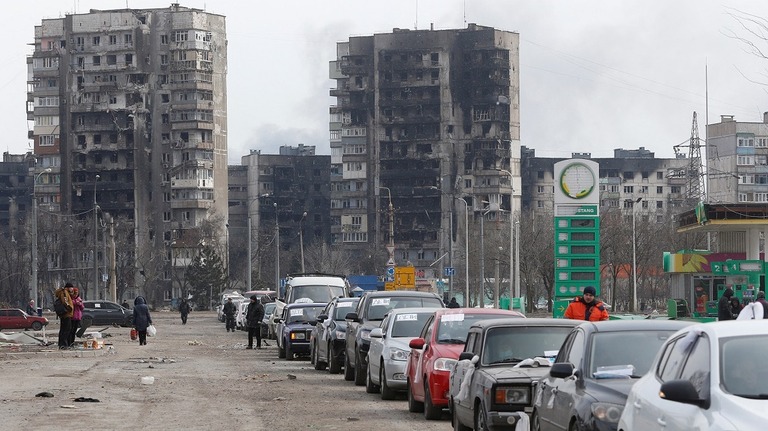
(422,118)
(130,110)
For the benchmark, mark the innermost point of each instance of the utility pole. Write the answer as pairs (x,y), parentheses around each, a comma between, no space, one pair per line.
(112,261)
(277,252)
(33,290)
(95,240)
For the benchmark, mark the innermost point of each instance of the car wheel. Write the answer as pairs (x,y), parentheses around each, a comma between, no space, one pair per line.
(334,367)
(430,411)
(370,387)
(281,351)
(457,425)
(386,392)
(359,371)
(349,372)
(535,424)
(413,405)
(572,426)
(288,353)
(481,419)
(319,365)
(37,326)
(312,355)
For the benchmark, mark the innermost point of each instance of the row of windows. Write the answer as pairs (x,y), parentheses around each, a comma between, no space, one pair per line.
(355,237)
(759,160)
(753,197)
(759,142)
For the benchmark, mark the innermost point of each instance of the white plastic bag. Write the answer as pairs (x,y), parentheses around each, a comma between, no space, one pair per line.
(151,331)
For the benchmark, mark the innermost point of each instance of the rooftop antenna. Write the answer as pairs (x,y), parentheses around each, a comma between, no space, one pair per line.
(465,13)
(416,25)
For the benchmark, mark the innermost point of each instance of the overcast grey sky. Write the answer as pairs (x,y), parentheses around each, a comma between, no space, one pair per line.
(595,74)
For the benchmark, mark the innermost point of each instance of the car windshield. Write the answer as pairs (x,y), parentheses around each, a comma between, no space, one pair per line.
(304,314)
(409,324)
(379,307)
(512,344)
(741,367)
(454,327)
(342,308)
(315,293)
(269,308)
(624,354)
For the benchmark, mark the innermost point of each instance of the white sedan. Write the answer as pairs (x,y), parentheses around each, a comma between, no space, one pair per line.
(705,377)
(388,353)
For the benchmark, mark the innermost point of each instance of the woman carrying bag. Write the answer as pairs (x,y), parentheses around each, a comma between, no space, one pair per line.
(141,319)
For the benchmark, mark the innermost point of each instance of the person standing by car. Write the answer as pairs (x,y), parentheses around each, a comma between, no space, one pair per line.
(141,319)
(453,303)
(724,306)
(253,317)
(736,307)
(763,302)
(587,307)
(184,310)
(77,313)
(64,314)
(31,308)
(229,314)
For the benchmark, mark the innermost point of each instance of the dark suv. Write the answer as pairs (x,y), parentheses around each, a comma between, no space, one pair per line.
(106,313)
(370,311)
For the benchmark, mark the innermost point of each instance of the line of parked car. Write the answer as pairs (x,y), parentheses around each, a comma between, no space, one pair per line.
(495,369)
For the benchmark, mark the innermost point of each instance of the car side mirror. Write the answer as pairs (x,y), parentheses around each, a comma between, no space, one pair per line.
(466,356)
(377,333)
(561,370)
(278,320)
(416,343)
(352,317)
(682,391)
(321,318)
(312,322)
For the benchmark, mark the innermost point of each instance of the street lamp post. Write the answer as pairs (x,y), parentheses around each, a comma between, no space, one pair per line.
(33,290)
(301,239)
(250,269)
(466,251)
(634,256)
(95,239)
(391,243)
(513,275)
(277,252)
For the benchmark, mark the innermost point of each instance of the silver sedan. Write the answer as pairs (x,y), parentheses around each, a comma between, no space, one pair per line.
(388,354)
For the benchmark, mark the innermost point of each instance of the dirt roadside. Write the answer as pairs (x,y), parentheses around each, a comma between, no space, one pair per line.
(204,379)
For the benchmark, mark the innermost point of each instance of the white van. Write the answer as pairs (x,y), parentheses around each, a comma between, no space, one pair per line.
(310,287)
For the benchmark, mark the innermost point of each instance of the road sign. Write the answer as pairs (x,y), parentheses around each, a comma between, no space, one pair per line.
(405,277)
(390,271)
(282,282)
(450,271)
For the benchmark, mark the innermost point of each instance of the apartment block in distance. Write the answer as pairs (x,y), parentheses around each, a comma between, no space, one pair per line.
(422,118)
(629,175)
(281,189)
(130,105)
(737,161)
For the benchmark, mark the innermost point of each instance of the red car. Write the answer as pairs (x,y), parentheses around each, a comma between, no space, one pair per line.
(435,352)
(13,318)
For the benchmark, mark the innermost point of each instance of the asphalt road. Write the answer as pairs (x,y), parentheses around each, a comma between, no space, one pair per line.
(204,379)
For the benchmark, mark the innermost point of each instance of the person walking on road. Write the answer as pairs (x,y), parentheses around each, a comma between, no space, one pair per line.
(184,310)
(65,314)
(141,318)
(586,307)
(77,313)
(253,317)
(724,306)
(229,314)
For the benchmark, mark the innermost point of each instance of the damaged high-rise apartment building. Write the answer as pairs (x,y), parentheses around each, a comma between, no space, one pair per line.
(423,119)
(130,110)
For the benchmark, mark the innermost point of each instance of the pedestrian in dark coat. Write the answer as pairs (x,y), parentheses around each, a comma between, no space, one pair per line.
(253,317)
(724,306)
(184,309)
(141,318)
(453,303)
(65,325)
(229,314)
(736,307)
(763,302)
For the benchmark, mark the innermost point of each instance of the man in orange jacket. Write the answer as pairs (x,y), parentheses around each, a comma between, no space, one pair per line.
(586,307)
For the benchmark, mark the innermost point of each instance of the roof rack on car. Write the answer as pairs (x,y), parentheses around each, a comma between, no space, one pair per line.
(315,274)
